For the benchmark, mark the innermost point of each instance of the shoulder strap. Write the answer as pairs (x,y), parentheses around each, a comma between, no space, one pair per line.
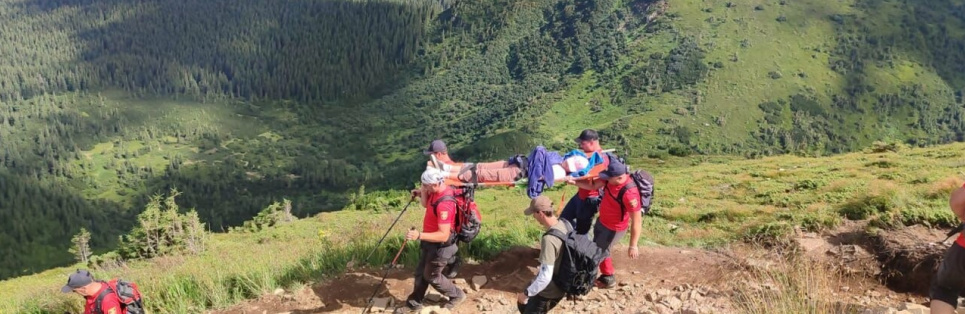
(557,233)
(440,200)
(98,309)
(619,197)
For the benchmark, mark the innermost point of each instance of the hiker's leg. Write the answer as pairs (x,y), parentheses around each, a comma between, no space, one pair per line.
(434,269)
(585,214)
(949,281)
(421,284)
(570,210)
(605,239)
(539,305)
(493,165)
(508,174)
(452,268)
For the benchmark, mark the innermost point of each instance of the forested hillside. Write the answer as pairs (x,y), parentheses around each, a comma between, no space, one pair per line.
(242,103)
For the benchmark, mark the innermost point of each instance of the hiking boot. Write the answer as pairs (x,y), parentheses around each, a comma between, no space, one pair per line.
(410,306)
(606,282)
(455,301)
(454,268)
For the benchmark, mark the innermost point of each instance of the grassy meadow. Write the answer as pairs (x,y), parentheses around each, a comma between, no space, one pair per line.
(701,202)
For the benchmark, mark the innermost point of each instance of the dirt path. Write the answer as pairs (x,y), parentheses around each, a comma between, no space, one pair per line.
(663,280)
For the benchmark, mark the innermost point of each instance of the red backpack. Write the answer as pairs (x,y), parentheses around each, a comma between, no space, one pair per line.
(127,293)
(468,221)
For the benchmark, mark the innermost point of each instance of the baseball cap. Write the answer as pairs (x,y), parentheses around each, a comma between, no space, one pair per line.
(540,203)
(436,146)
(615,168)
(76,280)
(433,176)
(588,135)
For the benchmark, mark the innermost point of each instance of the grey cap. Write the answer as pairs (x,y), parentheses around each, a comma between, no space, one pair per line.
(78,279)
(614,169)
(436,146)
(588,135)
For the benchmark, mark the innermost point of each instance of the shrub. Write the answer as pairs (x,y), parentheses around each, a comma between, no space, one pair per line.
(162,230)
(868,205)
(274,214)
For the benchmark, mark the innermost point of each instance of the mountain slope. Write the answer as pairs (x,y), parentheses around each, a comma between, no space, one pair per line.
(701,202)
(105,104)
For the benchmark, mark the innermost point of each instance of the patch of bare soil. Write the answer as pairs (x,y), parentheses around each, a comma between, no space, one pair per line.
(662,280)
(890,270)
(909,257)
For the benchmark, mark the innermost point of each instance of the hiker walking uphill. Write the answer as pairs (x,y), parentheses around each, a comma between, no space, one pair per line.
(542,294)
(581,208)
(112,297)
(949,282)
(437,242)
(620,209)
(568,262)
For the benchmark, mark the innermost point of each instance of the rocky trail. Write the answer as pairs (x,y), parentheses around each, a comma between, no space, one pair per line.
(875,275)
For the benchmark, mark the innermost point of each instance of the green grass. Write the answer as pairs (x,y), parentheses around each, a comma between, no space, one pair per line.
(750,44)
(700,202)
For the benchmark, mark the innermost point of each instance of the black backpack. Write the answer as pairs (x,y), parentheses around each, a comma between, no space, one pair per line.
(579,261)
(468,221)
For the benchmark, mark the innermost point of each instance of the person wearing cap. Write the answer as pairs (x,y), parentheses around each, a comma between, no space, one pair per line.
(83,283)
(620,209)
(497,171)
(541,295)
(436,244)
(439,156)
(583,206)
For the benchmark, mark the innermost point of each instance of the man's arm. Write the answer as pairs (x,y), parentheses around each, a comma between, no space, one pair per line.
(445,215)
(957,203)
(439,236)
(636,219)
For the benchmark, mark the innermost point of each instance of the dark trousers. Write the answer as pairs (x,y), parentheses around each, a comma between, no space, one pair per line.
(429,272)
(537,305)
(949,281)
(580,212)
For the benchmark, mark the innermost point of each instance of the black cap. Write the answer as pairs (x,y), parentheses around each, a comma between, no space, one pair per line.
(436,146)
(76,280)
(614,169)
(588,135)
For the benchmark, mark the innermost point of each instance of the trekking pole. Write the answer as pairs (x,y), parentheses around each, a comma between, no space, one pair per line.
(350,264)
(952,232)
(368,305)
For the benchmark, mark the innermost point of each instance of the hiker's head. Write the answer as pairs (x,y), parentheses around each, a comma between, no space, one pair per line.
(81,282)
(541,208)
(589,140)
(575,163)
(433,180)
(437,147)
(615,173)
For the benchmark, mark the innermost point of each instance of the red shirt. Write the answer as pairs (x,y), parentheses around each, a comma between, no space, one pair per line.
(109,305)
(611,214)
(583,193)
(443,214)
(961,235)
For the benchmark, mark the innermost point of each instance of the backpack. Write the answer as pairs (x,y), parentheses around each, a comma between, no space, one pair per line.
(643,180)
(128,294)
(468,221)
(579,261)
